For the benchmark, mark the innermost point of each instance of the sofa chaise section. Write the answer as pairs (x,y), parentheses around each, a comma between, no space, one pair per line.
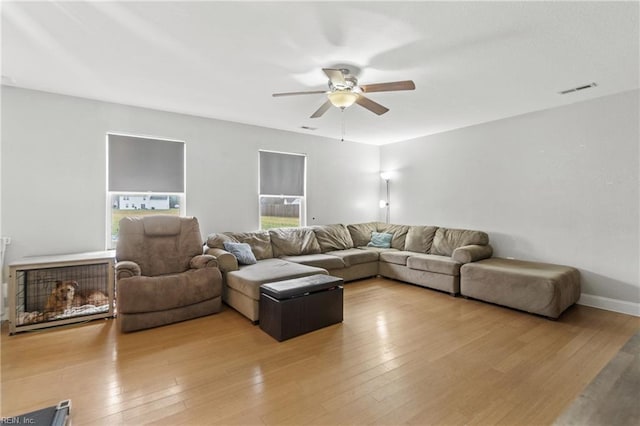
(241,283)
(242,287)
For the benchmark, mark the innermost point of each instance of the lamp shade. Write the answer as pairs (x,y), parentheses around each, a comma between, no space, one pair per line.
(342,98)
(385,175)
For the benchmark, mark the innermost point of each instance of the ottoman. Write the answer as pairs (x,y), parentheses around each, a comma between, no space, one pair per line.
(294,307)
(539,288)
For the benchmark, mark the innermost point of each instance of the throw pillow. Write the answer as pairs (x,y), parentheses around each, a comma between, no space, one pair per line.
(242,252)
(380,240)
(260,242)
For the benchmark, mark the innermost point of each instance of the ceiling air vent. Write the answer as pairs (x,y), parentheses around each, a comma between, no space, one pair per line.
(576,89)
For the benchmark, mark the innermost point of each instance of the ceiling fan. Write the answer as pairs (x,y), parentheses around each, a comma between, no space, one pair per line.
(344,91)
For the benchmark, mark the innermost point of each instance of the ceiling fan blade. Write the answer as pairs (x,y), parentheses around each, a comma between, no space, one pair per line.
(389,87)
(323,108)
(335,75)
(371,105)
(312,92)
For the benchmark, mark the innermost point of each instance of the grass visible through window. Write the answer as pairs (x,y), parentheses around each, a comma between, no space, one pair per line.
(267,222)
(117,214)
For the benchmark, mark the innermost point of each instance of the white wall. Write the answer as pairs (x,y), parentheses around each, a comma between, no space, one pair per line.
(2,245)
(53,149)
(559,186)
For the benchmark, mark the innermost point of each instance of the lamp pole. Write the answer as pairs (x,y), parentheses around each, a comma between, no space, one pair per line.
(386,176)
(388,207)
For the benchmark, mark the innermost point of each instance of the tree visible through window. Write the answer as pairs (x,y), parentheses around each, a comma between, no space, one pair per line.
(282,189)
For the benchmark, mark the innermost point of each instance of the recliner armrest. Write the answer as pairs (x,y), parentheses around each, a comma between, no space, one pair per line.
(472,253)
(126,269)
(227,262)
(203,261)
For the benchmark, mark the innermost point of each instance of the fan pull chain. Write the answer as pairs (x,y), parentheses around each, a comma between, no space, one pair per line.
(343,124)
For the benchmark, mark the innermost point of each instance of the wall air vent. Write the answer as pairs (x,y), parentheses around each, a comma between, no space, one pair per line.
(577,89)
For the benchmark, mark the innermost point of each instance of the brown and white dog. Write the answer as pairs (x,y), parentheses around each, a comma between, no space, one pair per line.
(66,295)
(61,298)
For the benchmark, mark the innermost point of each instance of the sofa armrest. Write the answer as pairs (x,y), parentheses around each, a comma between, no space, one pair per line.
(203,261)
(226,261)
(472,253)
(126,269)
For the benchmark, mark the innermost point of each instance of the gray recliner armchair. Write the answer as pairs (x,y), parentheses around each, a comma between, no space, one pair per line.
(162,276)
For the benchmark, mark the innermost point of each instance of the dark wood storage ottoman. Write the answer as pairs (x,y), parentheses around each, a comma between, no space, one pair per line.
(294,307)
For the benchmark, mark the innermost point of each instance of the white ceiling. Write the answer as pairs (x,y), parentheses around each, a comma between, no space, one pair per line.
(472,62)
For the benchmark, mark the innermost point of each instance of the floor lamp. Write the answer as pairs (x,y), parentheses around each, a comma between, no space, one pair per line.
(386,176)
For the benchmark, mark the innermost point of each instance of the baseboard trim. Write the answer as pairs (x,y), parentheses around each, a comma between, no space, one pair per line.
(608,304)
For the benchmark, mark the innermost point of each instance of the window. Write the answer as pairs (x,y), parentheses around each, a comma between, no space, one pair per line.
(282,189)
(145,176)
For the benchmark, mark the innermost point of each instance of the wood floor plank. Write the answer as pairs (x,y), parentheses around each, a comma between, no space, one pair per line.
(402,355)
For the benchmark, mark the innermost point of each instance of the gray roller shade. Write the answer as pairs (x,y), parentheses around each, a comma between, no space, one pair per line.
(281,174)
(145,165)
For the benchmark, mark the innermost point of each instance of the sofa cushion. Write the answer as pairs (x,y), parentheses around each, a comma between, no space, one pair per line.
(399,234)
(226,261)
(293,241)
(472,253)
(378,250)
(380,239)
(173,291)
(434,263)
(420,238)
(361,233)
(260,242)
(248,278)
(355,256)
(217,240)
(242,252)
(395,256)
(447,240)
(319,260)
(333,237)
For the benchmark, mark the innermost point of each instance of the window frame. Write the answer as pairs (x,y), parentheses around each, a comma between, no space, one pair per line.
(302,214)
(111,243)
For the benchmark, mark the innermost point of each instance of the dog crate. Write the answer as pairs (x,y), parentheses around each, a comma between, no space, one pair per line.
(54,290)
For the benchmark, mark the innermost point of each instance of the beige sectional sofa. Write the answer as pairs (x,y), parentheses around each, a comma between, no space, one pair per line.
(428,256)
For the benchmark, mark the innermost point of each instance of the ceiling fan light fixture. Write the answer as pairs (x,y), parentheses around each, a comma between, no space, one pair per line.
(342,98)
(344,91)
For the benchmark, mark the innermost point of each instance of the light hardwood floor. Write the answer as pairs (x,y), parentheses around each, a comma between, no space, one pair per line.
(403,355)
(613,397)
